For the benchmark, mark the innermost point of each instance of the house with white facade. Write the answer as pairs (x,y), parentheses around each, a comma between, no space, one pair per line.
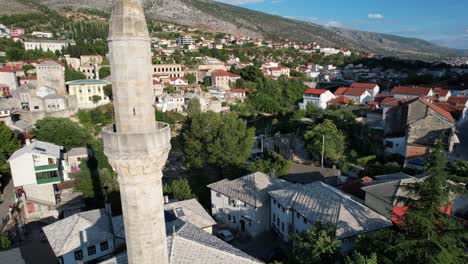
(357,95)
(86,90)
(408,92)
(278,71)
(318,97)
(47,44)
(373,88)
(297,208)
(38,170)
(95,237)
(243,204)
(171,103)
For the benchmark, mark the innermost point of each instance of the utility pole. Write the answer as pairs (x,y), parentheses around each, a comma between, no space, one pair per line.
(323,148)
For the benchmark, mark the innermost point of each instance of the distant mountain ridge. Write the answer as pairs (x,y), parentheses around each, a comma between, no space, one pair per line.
(218,17)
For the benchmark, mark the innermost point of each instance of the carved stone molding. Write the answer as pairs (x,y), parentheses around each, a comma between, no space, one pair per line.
(131,166)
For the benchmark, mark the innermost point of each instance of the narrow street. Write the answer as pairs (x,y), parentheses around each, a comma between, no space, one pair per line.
(7,199)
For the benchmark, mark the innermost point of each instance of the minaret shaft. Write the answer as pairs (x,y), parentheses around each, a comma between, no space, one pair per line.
(137,146)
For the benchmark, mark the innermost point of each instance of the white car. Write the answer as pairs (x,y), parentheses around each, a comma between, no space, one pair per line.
(225,235)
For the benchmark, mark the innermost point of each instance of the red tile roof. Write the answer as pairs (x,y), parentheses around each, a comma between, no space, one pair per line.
(10,69)
(315,91)
(437,109)
(457,100)
(411,90)
(364,85)
(341,90)
(350,91)
(222,73)
(238,91)
(390,101)
(441,92)
(340,100)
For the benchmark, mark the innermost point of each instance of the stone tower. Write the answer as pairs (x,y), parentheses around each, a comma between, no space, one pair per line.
(136,145)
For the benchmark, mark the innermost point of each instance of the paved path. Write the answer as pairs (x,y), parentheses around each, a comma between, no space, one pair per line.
(7,199)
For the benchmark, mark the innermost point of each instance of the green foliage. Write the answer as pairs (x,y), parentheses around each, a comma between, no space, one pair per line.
(458,171)
(334,141)
(194,108)
(357,258)
(364,160)
(9,143)
(171,118)
(108,91)
(378,168)
(191,78)
(274,162)
(71,75)
(62,132)
(170,89)
(104,72)
(4,241)
(249,73)
(316,245)
(217,139)
(94,120)
(178,189)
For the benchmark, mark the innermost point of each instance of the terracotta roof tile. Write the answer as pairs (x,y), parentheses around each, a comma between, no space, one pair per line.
(340,100)
(315,91)
(411,90)
(364,85)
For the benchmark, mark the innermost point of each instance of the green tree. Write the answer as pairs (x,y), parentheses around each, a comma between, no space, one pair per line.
(334,141)
(108,91)
(4,241)
(274,162)
(9,143)
(71,75)
(170,89)
(316,245)
(357,258)
(104,72)
(178,189)
(431,234)
(217,139)
(62,132)
(96,99)
(194,108)
(191,78)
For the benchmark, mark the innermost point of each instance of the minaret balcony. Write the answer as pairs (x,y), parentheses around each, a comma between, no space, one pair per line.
(142,143)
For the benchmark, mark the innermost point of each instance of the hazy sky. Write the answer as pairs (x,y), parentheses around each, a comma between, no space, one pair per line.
(444,22)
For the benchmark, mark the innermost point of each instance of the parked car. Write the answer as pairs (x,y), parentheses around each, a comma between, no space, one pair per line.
(225,235)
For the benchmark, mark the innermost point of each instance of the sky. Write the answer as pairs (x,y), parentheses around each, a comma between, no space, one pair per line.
(444,22)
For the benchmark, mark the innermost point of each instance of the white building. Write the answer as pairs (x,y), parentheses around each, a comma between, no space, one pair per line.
(54,103)
(243,204)
(357,95)
(297,208)
(37,170)
(171,70)
(184,40)
(51,74)
(47,45)
(373,88)
(318,97)
(86,90)
(40,34)
(8,77)
(171,103)
(223,79)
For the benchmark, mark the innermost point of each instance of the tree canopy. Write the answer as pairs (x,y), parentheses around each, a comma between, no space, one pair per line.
(334,141)
(9,143)
(217,139)
(178,189)
(62,132)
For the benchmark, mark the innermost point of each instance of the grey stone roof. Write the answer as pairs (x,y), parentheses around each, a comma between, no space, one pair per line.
(305,174)
(22,125)
(189,244)
(12,256)
(392,176)
(77,152)
(319,202)
(39,147)
(252,189)
(389,190)
(193,212)
(53,96)
(88,228)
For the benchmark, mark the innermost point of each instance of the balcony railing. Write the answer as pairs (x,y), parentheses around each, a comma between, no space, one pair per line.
(49,180)
(46,167)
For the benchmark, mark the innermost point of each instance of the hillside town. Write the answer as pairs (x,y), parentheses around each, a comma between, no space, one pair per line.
(132,141)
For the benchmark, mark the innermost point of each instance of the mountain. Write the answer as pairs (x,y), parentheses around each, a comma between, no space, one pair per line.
(218,17)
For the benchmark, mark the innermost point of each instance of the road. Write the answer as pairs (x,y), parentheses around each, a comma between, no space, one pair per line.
(461,151)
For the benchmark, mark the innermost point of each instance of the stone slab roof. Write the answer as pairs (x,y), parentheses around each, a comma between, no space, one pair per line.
(252,189)
(319,202)
(305,174)
(192,212)
(389,190)
(39,147)
(88,228)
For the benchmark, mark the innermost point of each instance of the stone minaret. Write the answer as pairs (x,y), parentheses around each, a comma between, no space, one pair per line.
(137,146)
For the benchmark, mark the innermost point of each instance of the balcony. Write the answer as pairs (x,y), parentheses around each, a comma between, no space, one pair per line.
(45,177)
(49,180)
(46,167)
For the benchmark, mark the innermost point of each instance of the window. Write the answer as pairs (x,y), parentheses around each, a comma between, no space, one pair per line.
(245,204)
(91,250)
(305,221)
(279,206)
(277,221)
(274,218)
(229,217)
(218,195)
(104,246)
(388,144)
(213,206)
(298,216)
(282,227)
(234,219)
(79,254)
